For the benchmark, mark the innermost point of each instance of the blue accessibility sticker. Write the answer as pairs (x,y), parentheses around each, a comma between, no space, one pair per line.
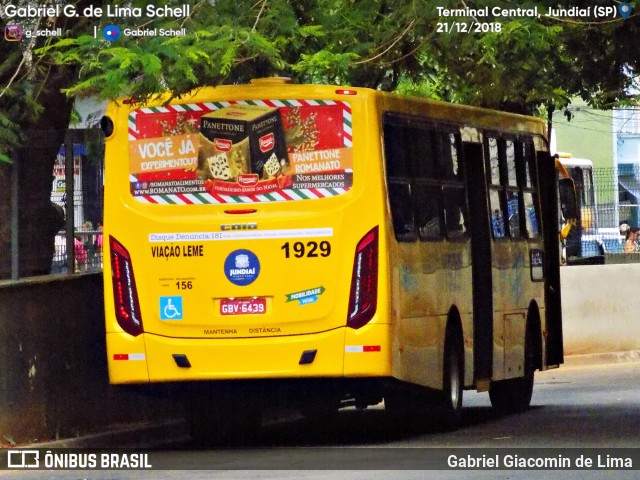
(242,267)
(171,308)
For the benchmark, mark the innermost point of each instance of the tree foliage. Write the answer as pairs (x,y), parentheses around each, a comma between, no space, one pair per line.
(387,44)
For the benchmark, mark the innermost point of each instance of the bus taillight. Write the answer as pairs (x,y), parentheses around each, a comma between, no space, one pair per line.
(363,297)
(125,294)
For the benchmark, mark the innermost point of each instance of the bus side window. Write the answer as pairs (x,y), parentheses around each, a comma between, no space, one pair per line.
(398,182)
(494,160)
(513,213)
(427,210)
(455,212)
(512,191)
(525,160)
(455,207)
(420,152)
(395,151)
(401,210)
(510,157)
(531,216)
(426,193)
(498,227)
(497,216)
(448,159)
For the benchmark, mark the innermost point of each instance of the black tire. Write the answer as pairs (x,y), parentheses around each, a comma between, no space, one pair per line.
(512,396)
(419,407)
(449,400)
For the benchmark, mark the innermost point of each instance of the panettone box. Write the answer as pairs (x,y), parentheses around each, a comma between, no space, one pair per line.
(250,138)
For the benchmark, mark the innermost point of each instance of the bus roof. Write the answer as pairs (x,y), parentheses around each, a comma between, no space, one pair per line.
(277,87)
(576,162)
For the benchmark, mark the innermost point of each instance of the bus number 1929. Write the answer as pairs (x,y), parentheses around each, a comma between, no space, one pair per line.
(310,249)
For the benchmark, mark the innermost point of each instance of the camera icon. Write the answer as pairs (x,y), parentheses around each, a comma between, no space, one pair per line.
(13,32)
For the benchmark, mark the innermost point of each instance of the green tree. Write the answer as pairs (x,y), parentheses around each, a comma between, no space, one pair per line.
(34,115)
(529,62)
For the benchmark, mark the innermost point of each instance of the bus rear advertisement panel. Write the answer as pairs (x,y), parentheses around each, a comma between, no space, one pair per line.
(250,151)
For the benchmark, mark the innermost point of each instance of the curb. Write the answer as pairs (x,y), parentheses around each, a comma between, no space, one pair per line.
(147,434)
(602,358)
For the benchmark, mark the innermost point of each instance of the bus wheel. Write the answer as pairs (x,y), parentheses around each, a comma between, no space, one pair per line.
(511,396)
(449,401)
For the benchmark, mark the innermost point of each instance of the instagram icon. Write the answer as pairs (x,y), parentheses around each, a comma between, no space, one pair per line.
(13,32)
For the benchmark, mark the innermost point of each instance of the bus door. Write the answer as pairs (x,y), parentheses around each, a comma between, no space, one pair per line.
(481,261)
(549,205)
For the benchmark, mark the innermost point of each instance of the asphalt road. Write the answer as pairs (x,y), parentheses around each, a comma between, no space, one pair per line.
(580,408)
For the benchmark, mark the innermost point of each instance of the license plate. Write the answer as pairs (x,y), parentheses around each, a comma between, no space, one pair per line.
(243,306)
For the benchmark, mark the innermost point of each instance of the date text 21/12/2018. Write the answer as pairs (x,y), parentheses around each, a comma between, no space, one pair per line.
(471,27)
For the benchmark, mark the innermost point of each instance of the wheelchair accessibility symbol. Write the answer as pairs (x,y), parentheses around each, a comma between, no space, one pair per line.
(171,308)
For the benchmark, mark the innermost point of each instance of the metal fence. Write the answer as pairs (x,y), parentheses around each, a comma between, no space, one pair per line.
(87,249)
(52,209)
(609,198)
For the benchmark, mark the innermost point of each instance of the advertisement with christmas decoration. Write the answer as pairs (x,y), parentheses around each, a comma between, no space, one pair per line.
(239,152)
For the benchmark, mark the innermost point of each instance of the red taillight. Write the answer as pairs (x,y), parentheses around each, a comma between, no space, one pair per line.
(240,211)
(125,294)
(363,298)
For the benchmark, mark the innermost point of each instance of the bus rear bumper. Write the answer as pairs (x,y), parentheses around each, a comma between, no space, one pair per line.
(340,352)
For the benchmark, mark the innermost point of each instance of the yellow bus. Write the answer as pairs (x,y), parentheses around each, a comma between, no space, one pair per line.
(328,246)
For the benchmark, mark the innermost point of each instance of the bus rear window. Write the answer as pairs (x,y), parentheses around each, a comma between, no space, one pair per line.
(240,152)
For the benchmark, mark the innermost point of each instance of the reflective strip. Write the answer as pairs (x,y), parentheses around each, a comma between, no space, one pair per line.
(361,348)
(128,356)
(133,132)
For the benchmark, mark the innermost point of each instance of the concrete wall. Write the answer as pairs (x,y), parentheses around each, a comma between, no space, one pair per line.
(601,308)
(53,373)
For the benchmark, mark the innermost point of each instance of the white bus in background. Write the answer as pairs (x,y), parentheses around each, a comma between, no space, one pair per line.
(581,171)
(590,238)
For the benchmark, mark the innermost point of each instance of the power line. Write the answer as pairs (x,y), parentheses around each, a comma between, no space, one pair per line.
(592,111)
(584,128)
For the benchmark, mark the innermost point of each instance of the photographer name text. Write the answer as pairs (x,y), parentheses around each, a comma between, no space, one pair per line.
(481,462)
(109,11)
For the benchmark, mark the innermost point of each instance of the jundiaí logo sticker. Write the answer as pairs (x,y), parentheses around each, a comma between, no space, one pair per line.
(242,267)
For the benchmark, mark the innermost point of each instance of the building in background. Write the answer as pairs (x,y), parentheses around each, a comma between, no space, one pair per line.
(611,140)
(626,154)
